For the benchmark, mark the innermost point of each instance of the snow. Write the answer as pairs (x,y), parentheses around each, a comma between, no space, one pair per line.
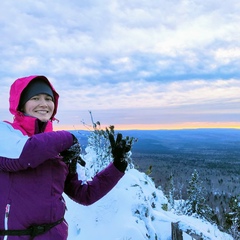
(133,211)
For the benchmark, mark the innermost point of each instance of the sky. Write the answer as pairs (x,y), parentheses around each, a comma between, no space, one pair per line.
(139,64)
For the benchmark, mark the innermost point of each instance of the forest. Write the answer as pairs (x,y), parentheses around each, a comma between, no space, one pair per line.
(214,154)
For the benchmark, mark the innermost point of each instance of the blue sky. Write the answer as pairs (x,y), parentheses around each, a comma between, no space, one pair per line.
(137,64)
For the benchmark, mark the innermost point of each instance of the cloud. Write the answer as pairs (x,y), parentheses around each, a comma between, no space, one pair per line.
(113,55)
(169,32)
(143,94)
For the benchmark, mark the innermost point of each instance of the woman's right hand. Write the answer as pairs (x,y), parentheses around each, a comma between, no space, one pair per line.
(71,156)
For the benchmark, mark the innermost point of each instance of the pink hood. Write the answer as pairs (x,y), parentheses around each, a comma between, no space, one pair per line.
(19,85)
(27,124)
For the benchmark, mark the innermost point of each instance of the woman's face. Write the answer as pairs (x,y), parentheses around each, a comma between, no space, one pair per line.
(40,106)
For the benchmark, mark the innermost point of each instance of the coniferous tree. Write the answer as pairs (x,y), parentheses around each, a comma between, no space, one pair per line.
(196,202)
(99,146)
(233,217)
(171,191)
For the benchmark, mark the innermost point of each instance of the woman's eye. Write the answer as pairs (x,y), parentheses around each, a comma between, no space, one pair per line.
(35,98)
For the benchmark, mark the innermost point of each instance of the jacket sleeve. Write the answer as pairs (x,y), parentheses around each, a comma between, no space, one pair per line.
(37,149)
(86,193)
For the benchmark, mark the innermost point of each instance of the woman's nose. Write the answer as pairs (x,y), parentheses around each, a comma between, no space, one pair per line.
(43,102)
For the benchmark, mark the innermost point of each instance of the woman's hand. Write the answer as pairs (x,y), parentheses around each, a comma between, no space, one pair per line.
(71,156)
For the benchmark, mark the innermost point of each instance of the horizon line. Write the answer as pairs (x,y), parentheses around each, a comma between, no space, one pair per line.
(182,126)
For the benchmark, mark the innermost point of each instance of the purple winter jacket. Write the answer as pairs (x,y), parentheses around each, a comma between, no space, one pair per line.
(33,176)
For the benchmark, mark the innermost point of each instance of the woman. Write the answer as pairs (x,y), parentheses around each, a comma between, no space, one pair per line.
(34,166)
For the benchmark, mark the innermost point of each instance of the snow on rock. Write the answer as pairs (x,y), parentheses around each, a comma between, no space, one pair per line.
(133,210)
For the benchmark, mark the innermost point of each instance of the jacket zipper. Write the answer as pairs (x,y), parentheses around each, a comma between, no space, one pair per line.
(7,210)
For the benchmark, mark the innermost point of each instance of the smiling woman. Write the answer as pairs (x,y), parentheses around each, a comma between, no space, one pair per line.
(40,106)
(37,100)
(33,102)
(38,165)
